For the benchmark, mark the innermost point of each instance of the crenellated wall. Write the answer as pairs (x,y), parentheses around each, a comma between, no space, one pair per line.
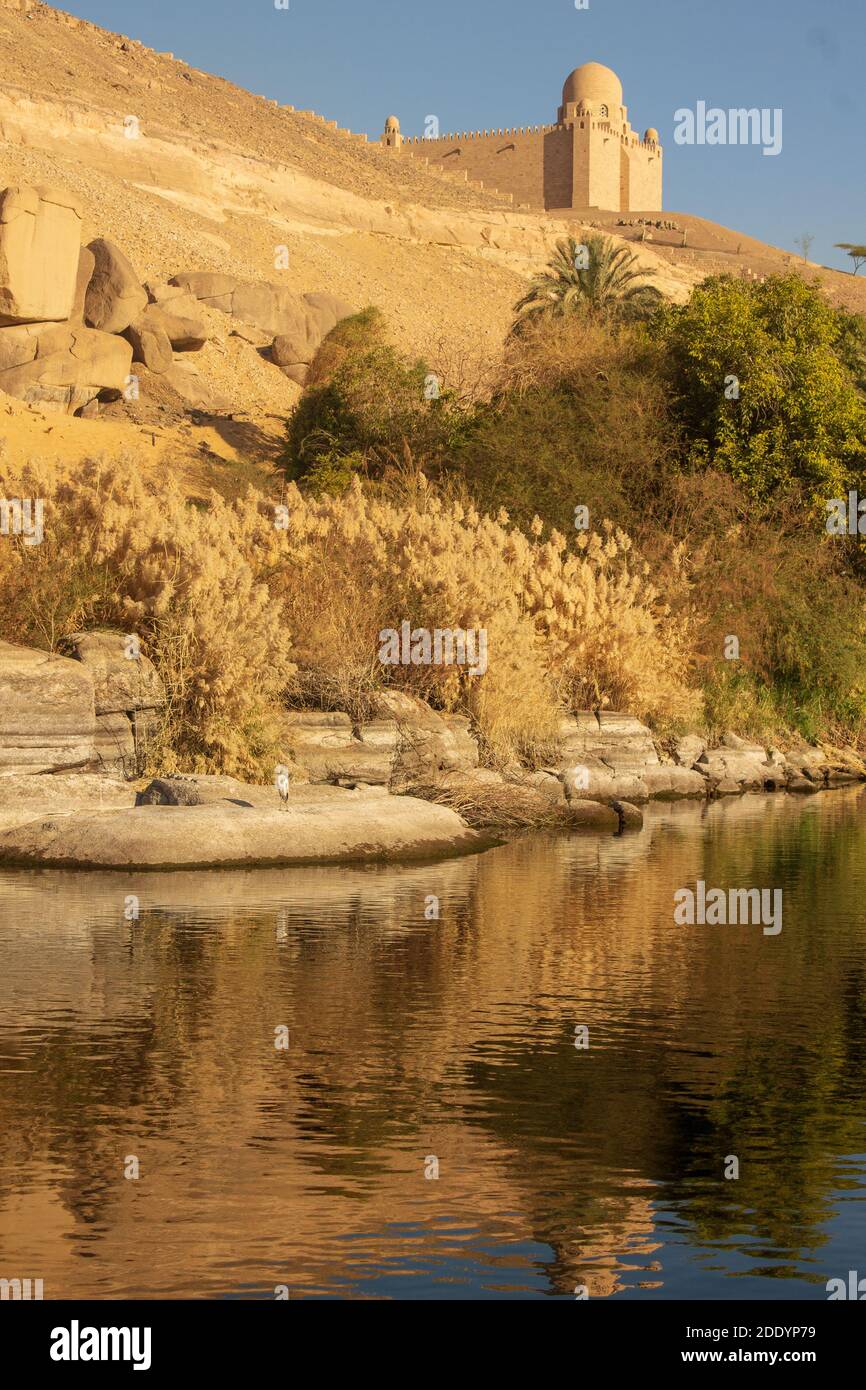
(583,163)
(531,163)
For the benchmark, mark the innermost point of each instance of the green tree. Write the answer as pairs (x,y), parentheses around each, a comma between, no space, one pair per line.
(762,386)
(851,345)
(857,253)
(580,417)
(595,277)
(365,408)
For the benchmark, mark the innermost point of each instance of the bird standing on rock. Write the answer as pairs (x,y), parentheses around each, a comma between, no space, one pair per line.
(282,785)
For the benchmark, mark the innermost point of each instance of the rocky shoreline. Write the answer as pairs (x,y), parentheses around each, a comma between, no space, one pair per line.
(403,783)
(341,828)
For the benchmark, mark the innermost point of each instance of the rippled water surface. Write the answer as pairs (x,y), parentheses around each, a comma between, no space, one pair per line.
(416,1041)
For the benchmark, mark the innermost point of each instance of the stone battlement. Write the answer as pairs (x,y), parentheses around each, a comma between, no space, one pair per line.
(590,157)
(477,134)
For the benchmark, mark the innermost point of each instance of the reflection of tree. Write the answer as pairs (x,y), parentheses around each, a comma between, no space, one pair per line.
(50,1109)
(704,1042)
(757,1066)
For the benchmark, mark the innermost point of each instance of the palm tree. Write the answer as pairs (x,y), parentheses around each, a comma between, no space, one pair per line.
(595,277)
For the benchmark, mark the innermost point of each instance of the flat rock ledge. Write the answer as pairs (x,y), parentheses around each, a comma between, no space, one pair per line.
(333,830)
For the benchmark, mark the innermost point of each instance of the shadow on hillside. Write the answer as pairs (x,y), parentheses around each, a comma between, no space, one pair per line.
(246,437)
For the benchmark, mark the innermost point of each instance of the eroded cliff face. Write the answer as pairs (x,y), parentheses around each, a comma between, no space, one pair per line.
(186,172)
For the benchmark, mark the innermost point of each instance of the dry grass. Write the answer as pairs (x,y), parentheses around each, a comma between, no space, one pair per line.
(240,614)
(500,806)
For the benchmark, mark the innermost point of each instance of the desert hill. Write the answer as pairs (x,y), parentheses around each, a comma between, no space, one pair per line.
(186,172)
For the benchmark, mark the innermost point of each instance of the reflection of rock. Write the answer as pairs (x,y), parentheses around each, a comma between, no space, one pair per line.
(429,1029)
(386,898)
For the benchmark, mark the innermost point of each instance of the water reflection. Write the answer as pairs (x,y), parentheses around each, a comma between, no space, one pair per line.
(411,1038)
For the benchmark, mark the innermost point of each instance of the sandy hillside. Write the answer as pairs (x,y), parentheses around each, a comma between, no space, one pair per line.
(218,179)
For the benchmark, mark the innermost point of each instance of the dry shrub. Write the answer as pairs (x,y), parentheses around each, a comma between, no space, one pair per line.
(239,613)
(502,806)
(791,594)
(610,640)
(129,553)
(565,628)
(580,416)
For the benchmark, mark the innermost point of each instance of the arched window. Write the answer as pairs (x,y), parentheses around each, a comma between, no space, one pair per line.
(604,113)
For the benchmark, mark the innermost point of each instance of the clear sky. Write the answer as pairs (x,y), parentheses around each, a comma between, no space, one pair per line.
(481,63)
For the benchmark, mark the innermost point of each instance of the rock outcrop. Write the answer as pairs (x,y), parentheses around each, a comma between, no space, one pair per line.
(158,333)
(62,366)
(115,296)
(206,789)
(100,708)
(604,757)
(59,304)
(86,267)
(294,325)
(47,711)
(128,698)
(403,740)
(344,828)
(40,239)
(607,756)
(63,307)
(26,797)
(327,748)
(151,345)
(185,332)
(95,708)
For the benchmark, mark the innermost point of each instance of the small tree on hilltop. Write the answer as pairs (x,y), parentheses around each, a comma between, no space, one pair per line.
(804,243)
(857,253)
(595,277)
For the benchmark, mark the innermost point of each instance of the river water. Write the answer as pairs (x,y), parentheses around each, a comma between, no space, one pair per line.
(286,1059)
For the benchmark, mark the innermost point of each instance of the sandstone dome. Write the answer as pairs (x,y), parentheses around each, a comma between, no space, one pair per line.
(392,123)
(593,83)
(652,135)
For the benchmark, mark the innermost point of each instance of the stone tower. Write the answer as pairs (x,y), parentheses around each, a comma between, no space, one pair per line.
(590,160)
(392,138)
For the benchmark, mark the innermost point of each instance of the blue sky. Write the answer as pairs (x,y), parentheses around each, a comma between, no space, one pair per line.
(481,63)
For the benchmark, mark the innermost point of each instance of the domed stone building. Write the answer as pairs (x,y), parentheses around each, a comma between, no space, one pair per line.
(590,160)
